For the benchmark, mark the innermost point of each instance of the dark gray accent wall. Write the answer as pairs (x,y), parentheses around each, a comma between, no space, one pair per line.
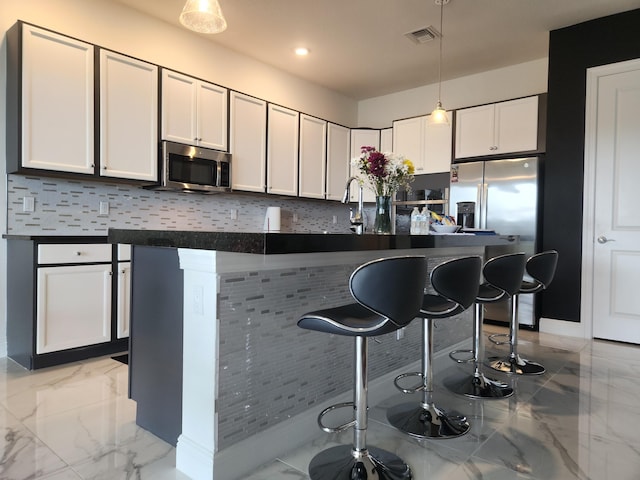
(572,51)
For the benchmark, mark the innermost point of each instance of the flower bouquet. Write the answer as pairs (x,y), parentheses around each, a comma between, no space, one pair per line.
(384,174)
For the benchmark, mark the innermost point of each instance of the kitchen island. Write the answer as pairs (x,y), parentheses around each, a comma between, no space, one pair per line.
(216,359)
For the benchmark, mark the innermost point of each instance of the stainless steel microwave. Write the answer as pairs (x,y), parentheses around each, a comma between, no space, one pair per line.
(194,169)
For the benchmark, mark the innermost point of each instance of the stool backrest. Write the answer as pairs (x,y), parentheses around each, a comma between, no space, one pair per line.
(458,280)
(542,267)
(392,287)
(505,272)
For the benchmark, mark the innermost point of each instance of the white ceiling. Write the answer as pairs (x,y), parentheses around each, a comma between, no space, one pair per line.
(358,47)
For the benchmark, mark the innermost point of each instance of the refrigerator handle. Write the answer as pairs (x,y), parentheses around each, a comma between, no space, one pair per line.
(484,206)
(479,220)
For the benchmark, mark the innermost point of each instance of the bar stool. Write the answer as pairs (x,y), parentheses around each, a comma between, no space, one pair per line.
(541,267)
(389,294)
(502,275)
(456,285)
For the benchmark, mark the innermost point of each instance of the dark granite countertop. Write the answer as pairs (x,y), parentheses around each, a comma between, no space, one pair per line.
(279,243)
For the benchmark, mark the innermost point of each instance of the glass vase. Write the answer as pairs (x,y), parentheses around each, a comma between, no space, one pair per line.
(382,223)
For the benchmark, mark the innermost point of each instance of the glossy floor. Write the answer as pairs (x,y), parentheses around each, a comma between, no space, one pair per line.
(580,420)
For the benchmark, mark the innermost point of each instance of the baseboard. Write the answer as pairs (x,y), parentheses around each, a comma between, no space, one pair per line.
(562,327)
(234,463)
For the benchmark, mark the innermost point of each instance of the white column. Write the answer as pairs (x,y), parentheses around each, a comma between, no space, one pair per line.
(196,445)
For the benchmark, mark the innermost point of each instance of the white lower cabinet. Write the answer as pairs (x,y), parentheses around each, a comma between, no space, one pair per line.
(73,306)
(66,301)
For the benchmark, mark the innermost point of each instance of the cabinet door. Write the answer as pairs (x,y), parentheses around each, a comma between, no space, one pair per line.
(386,140)
(57,102)
(179,99)
(128,118)
(282,151)
(363,138)
(248,137)
(73,307)
(474,131)
(338,160)
(517,125)
(124,299)
(212,116)
(437,147)
(313,156)
(408,140)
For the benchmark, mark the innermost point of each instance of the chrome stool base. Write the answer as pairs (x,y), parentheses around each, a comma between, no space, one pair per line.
(516,366)
(344,463)
(427,422)
(479,386)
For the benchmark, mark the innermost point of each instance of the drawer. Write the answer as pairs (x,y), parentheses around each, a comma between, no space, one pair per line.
(74,253)
(124,252)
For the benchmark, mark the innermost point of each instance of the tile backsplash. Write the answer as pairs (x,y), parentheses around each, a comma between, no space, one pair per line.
(71,207)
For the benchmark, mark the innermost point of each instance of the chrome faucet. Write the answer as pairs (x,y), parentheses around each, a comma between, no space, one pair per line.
(356,218)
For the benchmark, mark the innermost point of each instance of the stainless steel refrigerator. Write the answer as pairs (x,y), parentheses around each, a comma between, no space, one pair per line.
(505,194)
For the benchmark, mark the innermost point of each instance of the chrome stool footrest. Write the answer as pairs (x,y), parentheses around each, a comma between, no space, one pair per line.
(339,428)
(471,359)
(417,388)
(493,337)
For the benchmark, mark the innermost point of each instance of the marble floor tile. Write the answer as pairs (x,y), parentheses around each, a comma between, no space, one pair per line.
(579,420)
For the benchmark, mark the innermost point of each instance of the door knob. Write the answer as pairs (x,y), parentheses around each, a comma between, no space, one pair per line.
(603,239)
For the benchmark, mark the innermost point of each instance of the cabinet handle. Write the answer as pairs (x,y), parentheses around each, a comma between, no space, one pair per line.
(104,167)
(122,272)
(78,253)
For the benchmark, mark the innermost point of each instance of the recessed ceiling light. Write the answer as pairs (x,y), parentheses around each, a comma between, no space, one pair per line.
(301,51)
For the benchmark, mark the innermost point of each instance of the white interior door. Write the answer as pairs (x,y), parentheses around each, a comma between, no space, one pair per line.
(615,237)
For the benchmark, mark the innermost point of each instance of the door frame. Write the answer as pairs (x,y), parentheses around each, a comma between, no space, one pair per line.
(588,209)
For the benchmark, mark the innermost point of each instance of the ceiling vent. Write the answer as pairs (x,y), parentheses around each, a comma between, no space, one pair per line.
(423,35)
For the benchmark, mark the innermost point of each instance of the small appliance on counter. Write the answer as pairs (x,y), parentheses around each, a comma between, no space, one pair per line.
(193,169)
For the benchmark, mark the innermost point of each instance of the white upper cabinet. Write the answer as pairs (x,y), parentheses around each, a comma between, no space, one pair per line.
(57,102)
(408,140)
(282,151)
(427,146)
(248,142)
(386,140)
(438,142)
(313,156)
(193,112)
(128,118)
(363,138)
(338,160)
(505,127)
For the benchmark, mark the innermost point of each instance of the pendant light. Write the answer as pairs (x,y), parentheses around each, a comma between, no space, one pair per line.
(203,16)
(439,114)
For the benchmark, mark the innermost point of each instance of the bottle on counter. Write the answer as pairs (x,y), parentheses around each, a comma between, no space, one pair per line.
(425,217)
(414,229)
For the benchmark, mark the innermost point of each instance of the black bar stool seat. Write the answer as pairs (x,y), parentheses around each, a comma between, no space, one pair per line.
(541,267)
(503,276)
(456,285)
(389,294)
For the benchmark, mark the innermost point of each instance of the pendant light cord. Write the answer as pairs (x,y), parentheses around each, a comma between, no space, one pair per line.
(440,59)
